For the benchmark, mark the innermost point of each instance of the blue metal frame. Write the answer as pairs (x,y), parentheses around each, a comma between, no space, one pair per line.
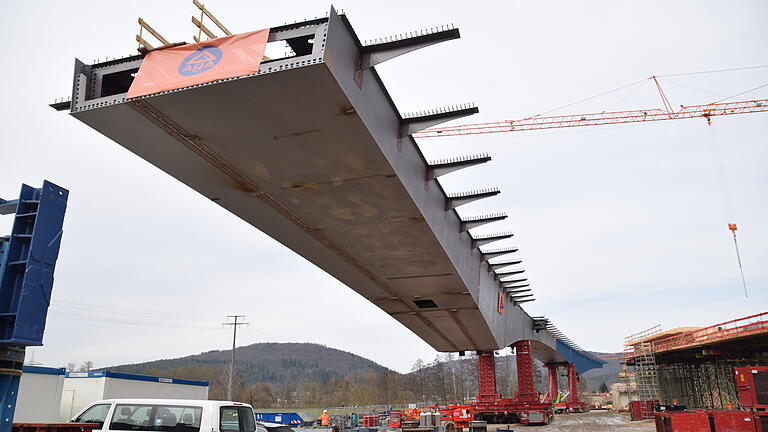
(42,370)
(581,360)
(9,386)
(27,261)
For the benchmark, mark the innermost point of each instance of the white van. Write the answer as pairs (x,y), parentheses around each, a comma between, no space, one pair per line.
(175,415)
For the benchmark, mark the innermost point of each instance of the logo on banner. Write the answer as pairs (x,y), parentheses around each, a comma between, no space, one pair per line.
(200,61)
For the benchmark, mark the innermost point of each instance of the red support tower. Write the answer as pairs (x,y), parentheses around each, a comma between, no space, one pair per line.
(487,377)
(530,409)
(553,387)
(575,405)
(525,407)
(526,391)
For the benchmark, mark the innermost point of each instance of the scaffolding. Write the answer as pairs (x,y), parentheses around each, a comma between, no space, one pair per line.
(693,367)
(701,385)
(643,369)
(646,376)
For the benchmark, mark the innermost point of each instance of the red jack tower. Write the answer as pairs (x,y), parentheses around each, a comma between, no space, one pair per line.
(553,387)
(525,407)
(572,403)
(575,405)
(526,390)
(486,364)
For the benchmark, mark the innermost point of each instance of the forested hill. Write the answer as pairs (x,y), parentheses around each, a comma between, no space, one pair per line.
(274,363)
(305,374)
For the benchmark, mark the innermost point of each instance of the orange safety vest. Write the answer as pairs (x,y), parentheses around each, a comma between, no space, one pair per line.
(325,419)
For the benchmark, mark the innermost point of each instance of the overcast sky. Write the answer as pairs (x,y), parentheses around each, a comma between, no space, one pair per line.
(619,227)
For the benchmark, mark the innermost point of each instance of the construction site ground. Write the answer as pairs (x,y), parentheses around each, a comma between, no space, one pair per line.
(593,421)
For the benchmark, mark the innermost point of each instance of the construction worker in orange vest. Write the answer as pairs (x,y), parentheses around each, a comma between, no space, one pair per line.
(325,419)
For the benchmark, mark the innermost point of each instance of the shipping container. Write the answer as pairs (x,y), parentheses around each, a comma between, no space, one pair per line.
(682,421)
(752,386)
(287,418)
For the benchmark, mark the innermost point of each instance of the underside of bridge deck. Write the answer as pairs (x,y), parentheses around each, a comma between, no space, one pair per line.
(312,151)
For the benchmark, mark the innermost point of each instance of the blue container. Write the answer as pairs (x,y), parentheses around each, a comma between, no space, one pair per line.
(286,418)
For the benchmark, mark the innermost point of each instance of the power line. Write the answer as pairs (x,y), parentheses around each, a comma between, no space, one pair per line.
(234,325)
(92,307)
(122,321)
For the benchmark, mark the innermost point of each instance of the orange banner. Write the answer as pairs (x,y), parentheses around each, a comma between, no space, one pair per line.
(191,64)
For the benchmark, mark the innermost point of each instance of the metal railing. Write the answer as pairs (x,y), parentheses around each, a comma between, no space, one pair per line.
(733,329)
(728,330)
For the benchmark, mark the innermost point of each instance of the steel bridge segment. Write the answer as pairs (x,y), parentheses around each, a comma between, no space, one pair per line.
(312,151)
(580,359)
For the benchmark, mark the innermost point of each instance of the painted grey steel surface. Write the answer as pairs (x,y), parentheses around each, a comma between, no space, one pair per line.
(312,151)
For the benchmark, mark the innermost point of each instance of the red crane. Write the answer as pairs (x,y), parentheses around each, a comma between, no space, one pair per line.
(595,119)
(539,122)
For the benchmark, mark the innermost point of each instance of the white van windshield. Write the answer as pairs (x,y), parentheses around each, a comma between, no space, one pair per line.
(142,417)
(95,414)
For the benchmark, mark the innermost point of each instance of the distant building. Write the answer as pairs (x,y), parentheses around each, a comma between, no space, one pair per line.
(621,394)
(82,388)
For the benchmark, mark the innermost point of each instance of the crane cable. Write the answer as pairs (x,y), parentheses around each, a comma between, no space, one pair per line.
(725,194)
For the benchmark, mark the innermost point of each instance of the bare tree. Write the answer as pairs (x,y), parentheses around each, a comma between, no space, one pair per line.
(452,365)
(441,377)
(86,366)
(462,380)
(229,375)
(472,378)
(418,367)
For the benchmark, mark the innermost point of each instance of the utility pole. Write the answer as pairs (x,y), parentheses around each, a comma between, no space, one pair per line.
(234,325)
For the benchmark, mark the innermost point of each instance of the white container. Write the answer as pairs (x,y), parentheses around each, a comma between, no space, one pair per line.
(39,395)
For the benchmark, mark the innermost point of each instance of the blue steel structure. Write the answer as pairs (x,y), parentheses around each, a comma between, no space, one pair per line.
(27,262)
(287,418)
(582,360)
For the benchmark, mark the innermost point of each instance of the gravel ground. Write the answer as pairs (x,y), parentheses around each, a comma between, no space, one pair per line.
(597,421)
